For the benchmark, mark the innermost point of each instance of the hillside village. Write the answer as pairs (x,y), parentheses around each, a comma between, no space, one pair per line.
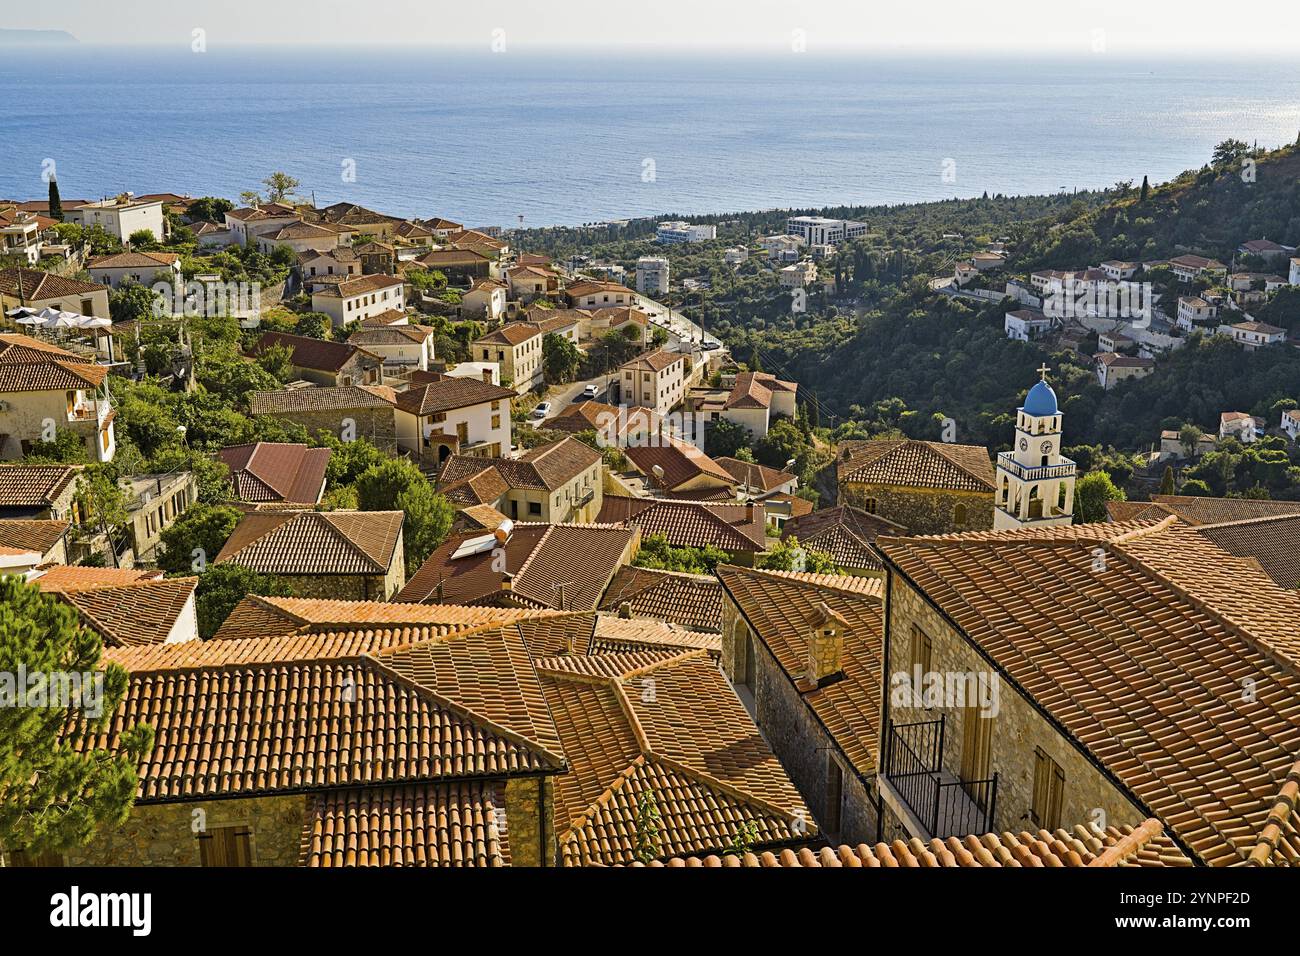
(415,546)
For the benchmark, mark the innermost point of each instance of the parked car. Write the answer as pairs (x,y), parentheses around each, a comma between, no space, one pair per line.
(542,410)
(591,391)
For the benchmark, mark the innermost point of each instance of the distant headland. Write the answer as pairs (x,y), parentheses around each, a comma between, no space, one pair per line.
(36,37)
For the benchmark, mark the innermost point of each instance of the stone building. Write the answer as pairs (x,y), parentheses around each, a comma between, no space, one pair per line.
(803,653)
(927,487)
(1098,674)
(345,411)
(325,363)
(352,555)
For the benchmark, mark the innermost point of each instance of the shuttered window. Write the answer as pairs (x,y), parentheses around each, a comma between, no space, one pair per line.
(226,846)
(1049,786)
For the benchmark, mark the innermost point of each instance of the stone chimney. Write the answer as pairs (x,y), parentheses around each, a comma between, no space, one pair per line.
(825,631)
(487,375)
(507,582)
(625,609)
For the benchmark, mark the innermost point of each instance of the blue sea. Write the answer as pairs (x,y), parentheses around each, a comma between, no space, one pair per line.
(565,139)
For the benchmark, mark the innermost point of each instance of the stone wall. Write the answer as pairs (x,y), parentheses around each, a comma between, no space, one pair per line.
(1018,727)
(922,510)
(348,587)
(797,737)
(165,834)
(530,820)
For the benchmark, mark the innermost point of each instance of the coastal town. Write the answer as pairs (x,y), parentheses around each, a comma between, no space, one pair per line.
(411,545)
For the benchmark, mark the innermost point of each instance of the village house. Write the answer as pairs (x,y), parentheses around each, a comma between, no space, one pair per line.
(1188,268)
(353,555)
(40,492)
(486,299)
(44,390)
(738,529)
(675,466)
(357,219)
(29,543)
(119,216)
(1242,426)
(339,261)
(125,607)
(803,654)
(556,482)
(532,282)
(41,290)
(756,400)
(927,487)
(344,411)
(1255,335)
(276,472)
(142,268)
(325,363)
(517,348)
(1119,271)
(246,222)
(655,380)
(462,267)
(1026,325)
(23,234)
(1113,368)
(402,347)
(846,534)
(1171,446)
(798,275)
(615,425)
(1290,423)
(1293,277)
(999,689)
(453,416)
(1115,341)
(1266,249)
(759,481)
(301,237)
(692,601)
(591,294)
(359,298)
(545,566)
(1194,312)
(153,503)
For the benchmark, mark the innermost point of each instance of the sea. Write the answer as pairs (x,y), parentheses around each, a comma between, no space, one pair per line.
(511,139)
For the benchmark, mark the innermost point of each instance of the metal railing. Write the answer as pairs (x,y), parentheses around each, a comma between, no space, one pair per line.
(1063,470)
(913,766)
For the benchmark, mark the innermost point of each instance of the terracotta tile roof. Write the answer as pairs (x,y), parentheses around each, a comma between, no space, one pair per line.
(753,475)
(589,286)
(34,486)
(330,398)
(295,230)
(270,210)
(360,286)
(311,353)
(852,583)
(391,335)
(478,488)
(1194,510)
(441,258)
(543,468)
(76,577)
(754,390)
(539,558)
(1272,541)
(731,527)
(315,542)
(50,376)
(512,333)
(613,634)
(134,260)
(141,612)
(484,516)
(450,393)
(692,600)
(32,535)
(1125,846)
(257,616)
(1141,664)
(680,462)
(17,348)
(461,707)
(846,533)
(40,286)
(778,608)
(383,320)
(429,824)
(918,464)
(655,361)
(350,214)
(274,471)
(671,731)
(598,417)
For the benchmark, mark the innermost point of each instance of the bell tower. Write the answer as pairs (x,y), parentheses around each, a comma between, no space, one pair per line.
(1035,482)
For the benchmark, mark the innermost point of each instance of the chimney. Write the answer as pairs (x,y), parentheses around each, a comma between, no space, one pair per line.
(825,645)
(625,609)
(507,582)
(749,513)
(487,375)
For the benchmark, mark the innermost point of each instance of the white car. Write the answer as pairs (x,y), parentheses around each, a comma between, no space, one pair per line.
(591,391)
(542,410)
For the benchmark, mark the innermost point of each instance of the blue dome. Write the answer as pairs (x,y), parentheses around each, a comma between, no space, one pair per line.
(1041,401)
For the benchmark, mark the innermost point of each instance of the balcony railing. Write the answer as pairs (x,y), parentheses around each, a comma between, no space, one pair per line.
(943,804)
(1065,469)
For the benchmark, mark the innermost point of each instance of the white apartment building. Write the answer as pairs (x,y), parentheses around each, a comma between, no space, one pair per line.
(1294,277)
(359,298)
(142,268)
(671,233)
(453,416)
(652,275)
(120,216)
(798,275)
(735,255)
(820,231)
(1193,311)
(656,381)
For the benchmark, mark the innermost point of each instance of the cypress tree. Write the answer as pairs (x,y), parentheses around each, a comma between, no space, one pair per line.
(56,205)
(1146,189)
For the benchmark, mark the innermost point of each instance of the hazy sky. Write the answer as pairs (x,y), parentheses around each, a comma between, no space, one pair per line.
(1131,28)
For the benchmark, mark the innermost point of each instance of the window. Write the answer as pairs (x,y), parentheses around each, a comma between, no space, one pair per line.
(922,650)
(226,846)
(496,421)
(959,515)
(834,794)
(534,507)
(977,739)
(869,505)
(1049,785)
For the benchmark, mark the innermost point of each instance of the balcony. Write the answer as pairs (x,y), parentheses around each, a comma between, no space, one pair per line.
(584,497)
(92,411)
(939,804)
(1064,470)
